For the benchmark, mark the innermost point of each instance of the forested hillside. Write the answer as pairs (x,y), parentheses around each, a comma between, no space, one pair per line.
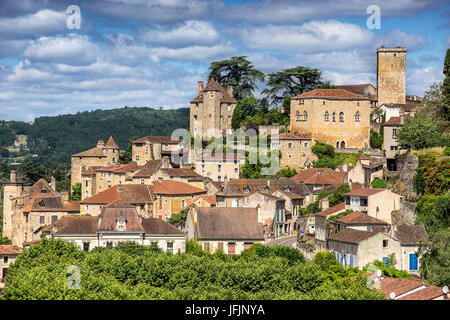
(55,139)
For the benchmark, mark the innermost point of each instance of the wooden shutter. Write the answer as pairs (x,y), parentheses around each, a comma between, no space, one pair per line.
(231,248)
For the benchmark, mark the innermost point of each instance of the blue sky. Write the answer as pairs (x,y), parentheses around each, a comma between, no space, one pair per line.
(153,52)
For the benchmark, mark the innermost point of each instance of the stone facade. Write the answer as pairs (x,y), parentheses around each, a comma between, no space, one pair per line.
(220,168)
(333,116)
(8,254)
(295,150)
(211,110)
(153,148)
(391,75)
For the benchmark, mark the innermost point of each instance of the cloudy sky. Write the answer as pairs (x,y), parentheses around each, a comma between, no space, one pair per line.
(153,52)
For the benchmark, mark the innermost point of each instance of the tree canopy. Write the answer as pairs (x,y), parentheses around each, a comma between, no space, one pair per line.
(419,132)
(237,72)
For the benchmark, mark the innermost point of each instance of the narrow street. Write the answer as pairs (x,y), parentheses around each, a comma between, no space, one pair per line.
(284,241)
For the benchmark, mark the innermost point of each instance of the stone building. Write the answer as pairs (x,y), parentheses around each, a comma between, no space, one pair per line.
(220,167)
(365,90)
(391,75)
(118,222)
(322,229)
(390,143)
(8,254)
(100,156)
(333,116)
(27,209)
(155,148)
(295,150)
(211,110)
(229,229)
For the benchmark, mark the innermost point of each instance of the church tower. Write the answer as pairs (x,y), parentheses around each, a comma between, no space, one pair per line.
(391,75)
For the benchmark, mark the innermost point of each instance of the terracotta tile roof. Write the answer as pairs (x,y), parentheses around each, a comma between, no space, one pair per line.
(365,192)
(292,195)
(358,218)
(171,187)
(305,174)
(350,235)
(38,187)
(336,209)
(131,193)
(73,206)
(404,106)
(120,209)
(228,224)
(94,152)
(330,178)
(209,199)
(362,156)
(330,94)
(213,85)
(180,172)
(89,171)
(157,139)
(31,243)
(148,169)
(237,186)
(396,120)
(410,234)
(356,185)
(111,168)
(293,136)
(397,285)
(427,293)
(158,226)
(111,143)
(74,225)
(358,89)
(9,249)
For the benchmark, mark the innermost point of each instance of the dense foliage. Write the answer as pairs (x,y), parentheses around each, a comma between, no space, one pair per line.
(376,139)
(432,175)
(132,272)
(179,219)
(328,158)
(379,183)
(434,212)
(419,132)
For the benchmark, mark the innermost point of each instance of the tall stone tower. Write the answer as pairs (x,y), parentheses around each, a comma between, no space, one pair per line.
(12,189)
(391,75)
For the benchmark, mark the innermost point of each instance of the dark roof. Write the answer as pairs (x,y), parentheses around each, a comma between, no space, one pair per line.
(120,209)
(94,152)
(157,139)
(359,89)
(74,225)
(339,94)
(149,169)
(350,235)
(395,121)
(291,195)
(373,165)
(46,203)
(131,193)
(213,85)
(180,172)
(228,224)
(237,186)
(158,226)
(111,143)
(38,187)
(410,234)
(358,218)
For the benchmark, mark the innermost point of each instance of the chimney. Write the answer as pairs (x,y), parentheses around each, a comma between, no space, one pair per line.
(200,87)
(230,90)
(100,144)
(53,183)
(324,203)
(65,197)
(13,176)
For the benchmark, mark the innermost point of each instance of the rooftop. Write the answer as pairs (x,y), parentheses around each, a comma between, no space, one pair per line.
(131,193)
(350,235)
(172,187)
(333,94)
(337,208)
(365,192)
(358,218)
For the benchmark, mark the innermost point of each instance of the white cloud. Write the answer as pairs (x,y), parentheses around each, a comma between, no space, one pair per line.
(72,49)
(419,80)
(314,36)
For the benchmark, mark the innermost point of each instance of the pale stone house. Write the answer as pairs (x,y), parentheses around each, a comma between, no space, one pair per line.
(318,179)
(322,231)
(295,150)
(211,110)
(118,222)
(205,201)
(391,147)
(376,202)
(155,148)
(334,116)
(293,204)
(27,209)
(363,172)
(220,167)
(8,254)
(409,237)
(390,110)
(229,229)
(100,156)
(361,221)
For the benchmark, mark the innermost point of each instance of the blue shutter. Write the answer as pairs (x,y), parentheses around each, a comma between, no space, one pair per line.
(345,260)
(413,263)
(385,261)
(338,257)
(351,260)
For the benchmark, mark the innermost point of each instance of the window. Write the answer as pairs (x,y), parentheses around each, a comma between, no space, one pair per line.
(206,245)
(369,228)
(413,265)
(236,170)
(169,246)
(347,200)
(394,133)
(334,117)
(385,243)
(229,108)
(137,157)
(352,264)
(142,181)
(5,259)
(220,246)
(323,102)
(297,116)
(86,183)
(146,147)
(231,248)
(247,245)
(290,145)
(385,261)
(183,204)
(54,218)
(219,178)
(86,246)
(305,116)
(109,244)
(219,168)
(357,116)
(301,101)
(203,168)
(306,144)
(326,116)
(341,117)
(42,219)
(229,120)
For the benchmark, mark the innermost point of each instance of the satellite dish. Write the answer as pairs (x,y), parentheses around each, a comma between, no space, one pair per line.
(392,295)
(445,289)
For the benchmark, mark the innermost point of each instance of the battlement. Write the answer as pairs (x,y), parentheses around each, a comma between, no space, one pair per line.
(394,49)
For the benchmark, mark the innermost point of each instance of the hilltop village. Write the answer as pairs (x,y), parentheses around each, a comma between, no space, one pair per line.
(135,201)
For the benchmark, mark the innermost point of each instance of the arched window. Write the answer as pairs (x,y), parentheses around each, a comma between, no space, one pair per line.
(297,115)
(341,117)
(357,116)
(327,116)
(305,115)
(334,116)
(343,145)
(337,145)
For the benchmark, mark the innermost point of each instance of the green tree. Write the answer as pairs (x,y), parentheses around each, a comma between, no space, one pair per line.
(445,110)
(179,219)
(323,150)
(418,133)
(376,139)
(337,196)
(125,158)
(237,72)
(76,192)
(434,212)
(379,183)
(291,82)
(245,107)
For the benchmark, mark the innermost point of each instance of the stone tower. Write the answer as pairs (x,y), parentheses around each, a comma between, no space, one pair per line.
(211,110)
(391,75)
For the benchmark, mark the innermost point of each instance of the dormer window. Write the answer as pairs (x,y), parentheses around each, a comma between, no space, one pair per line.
(246,189)
(43,191)
(287,189)
(121,224)
(41,204)
(266,189)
